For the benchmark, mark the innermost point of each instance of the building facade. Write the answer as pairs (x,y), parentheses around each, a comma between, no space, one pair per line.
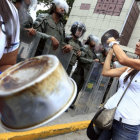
(102,15)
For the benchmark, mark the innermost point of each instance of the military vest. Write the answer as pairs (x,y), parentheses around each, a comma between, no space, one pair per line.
(76,44)
(46,24)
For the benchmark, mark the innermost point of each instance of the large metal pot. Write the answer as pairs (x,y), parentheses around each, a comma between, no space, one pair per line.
(34,92)
(110,33)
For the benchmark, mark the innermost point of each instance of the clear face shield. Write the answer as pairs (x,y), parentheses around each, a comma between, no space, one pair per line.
(79,32)
(92,44)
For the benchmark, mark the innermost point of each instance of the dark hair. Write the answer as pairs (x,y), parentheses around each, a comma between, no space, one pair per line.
(17,1)
(131,75)
(6,14)
(52,9)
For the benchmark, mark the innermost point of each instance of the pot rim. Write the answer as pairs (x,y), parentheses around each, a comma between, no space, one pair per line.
(37,80)
(60,112)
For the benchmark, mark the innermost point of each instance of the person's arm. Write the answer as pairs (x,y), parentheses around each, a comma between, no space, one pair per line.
(66,46)
(123,58)
(8,59)
(107,71)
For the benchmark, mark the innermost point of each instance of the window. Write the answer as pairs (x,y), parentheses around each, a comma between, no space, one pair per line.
(109,7)
(85,6)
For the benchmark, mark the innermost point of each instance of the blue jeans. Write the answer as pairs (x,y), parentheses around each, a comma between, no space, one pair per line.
(121,131)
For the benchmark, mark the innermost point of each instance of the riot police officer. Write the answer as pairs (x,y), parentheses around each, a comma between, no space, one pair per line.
(84,62)
(52,26)
(77,30)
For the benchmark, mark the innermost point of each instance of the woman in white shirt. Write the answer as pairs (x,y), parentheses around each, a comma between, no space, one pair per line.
(9,34)
(126,125)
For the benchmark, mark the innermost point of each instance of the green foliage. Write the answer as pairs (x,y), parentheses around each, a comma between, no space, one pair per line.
(48,3)
(41,11)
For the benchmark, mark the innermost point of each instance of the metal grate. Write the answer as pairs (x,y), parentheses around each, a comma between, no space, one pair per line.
(85,6)
(109,7)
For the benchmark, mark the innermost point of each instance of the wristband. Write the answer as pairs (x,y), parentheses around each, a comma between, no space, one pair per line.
(112,43)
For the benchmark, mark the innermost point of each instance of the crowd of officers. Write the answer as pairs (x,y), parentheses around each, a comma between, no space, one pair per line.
(49,26)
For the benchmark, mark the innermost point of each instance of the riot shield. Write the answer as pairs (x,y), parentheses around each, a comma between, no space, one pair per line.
(87,92)
(48,47)
(98,93)
(64,58)
(28,50)
(113,88)
(25,37)
(93,91)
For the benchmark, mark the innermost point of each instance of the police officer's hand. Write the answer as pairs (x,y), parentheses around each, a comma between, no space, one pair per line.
(55,43)
(79,53)
(31,31)
(96,60)
(67,48)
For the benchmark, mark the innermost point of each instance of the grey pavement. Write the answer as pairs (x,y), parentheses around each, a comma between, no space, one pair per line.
(78,135)
(66,117)
(69,117)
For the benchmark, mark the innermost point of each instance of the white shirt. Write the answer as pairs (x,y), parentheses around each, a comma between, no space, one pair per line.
(129,107)
(15,40)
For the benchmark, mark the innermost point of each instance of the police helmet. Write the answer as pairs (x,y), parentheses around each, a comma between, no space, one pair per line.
(92,38)
(78,26)
(59,3)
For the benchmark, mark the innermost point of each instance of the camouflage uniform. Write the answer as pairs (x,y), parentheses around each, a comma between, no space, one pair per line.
(83,66)
(45,24)
(77,45)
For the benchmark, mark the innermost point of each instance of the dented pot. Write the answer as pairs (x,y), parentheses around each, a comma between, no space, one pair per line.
(34,92)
